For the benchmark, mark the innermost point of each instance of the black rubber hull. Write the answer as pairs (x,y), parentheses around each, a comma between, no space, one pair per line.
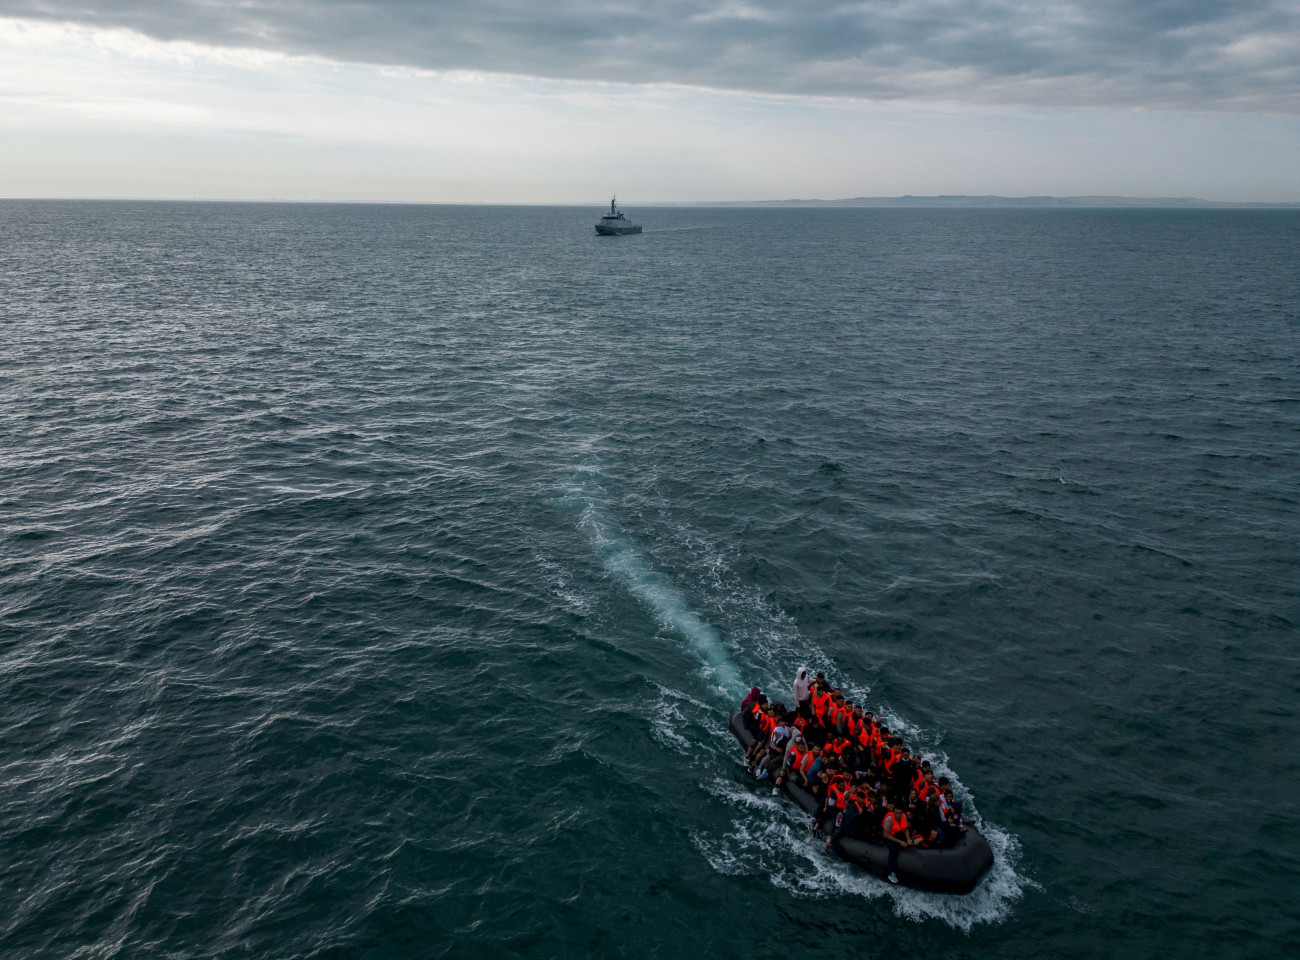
(957,869)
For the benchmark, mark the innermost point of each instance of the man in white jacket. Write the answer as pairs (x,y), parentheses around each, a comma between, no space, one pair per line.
(803,693)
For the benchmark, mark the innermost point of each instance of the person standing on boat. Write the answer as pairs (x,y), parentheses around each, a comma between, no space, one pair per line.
(803,694)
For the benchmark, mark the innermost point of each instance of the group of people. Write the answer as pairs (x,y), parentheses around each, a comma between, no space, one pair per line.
(867,784)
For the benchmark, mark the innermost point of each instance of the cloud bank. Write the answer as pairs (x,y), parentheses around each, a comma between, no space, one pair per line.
(1183,55)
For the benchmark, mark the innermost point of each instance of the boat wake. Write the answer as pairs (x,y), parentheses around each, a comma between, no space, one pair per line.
(625,562)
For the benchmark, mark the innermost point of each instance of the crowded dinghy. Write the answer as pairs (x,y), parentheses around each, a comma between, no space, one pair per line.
(872,803)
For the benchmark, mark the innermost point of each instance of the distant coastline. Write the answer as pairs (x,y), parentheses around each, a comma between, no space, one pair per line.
(961,200)
(942,201)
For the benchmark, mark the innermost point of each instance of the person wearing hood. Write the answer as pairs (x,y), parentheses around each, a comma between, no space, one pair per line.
(748,717)
(803,693)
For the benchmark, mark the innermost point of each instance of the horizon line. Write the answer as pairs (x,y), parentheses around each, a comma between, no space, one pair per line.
(951,201)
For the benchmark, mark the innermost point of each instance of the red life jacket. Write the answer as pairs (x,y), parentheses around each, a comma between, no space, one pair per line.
(806,761)
(796,755)
(835,791)
(819,704)
(918,780)
(897,824)
(769,724)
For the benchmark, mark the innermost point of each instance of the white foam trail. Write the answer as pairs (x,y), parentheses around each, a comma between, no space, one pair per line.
(624,561)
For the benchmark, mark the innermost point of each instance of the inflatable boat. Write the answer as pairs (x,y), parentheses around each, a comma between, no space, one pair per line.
(955,869)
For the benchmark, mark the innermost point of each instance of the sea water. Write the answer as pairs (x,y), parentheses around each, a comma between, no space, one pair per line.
(375,580)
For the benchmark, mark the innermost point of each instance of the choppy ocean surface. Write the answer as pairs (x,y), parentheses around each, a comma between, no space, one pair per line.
(375,580)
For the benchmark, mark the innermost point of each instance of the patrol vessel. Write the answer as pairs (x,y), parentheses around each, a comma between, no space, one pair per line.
(614,224)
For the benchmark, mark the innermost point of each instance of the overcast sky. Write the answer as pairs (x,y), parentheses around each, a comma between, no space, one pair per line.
(507,100)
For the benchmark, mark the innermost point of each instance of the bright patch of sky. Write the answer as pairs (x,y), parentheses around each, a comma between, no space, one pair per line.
(98,109)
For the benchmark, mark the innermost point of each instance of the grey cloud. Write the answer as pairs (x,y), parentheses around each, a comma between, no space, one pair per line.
(1166,54)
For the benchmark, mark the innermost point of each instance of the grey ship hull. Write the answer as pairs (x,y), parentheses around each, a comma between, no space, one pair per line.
(618,229)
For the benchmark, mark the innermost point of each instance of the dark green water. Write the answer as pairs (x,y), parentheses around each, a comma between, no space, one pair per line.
(374,581)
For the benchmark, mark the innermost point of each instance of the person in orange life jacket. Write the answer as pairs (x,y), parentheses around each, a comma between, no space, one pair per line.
(837,704)
(881,745)
(918,777)
(846,821)
(764,723)
(810,769)
(821,698)
(750,715)
(897,834)
(928,787)
(837,715)
(747,706)
(846,719)
(837,788)
(854,721)
(889,750)
(758,723)
(832,704)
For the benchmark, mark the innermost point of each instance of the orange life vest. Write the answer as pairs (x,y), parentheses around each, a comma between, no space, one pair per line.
(898,823)
(894,754)
(835,791)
